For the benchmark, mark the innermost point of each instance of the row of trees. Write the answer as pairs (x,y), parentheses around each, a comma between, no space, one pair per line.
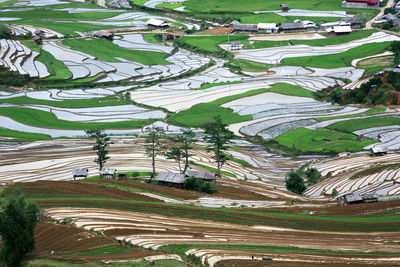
(216,135)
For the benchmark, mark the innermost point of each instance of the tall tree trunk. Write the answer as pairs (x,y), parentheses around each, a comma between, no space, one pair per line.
(186,160)
(218,162)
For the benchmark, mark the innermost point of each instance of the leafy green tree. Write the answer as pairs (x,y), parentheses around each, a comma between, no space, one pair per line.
(180,151)
(18,219)
(153,145)
(217,136)
(199,185)
(294,182)
(312,176)
(102,143)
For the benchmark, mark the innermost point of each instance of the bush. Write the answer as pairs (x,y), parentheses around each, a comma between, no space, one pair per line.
(198,185)
(295,183)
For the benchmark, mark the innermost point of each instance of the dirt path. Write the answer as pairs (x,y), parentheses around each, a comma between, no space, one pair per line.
(369,23)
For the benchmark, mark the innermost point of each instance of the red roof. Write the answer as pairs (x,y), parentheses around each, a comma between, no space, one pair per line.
(368,2)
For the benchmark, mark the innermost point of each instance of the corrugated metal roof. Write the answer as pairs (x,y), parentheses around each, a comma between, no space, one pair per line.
(110,171)
(292,26)
(201,175)
(245,27)
(353,198)
(170,177)
(80,172)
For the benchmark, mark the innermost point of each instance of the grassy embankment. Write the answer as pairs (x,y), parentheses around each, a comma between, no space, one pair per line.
(199,114)
(108,51)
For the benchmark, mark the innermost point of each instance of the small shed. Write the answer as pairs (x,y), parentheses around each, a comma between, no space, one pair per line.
(80,173)
(205,176)
(235,45)
(171,179)
(104,35)
(37,39)
(108,173)
(355,22)
(338,30)
(378,151)
(157,23)
(245,28)
(267,27)
(370,197)
(285,7)
(353,198)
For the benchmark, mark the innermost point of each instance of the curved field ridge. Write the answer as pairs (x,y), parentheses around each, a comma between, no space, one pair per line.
(275,55)
(342,170)
(17,57)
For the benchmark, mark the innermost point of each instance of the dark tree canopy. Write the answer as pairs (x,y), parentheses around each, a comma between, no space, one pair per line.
(179,152)
(18,219)
(295,183)
(102,142)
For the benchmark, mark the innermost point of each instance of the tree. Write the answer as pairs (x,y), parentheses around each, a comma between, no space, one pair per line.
(17,224)
(312,176)
(294,182)
(217,136)
(102,142)
(153,145)
(180,150)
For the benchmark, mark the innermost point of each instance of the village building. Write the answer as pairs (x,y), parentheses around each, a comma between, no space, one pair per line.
(80,173)
(338,30)
(37,39)
(157,23)
(205,176)
(391,18)
(329,25)
(107,173)
(285,7)
(371,4)
(171,179)
(39,33)
(104,35)
(353,198)
(292,27)
(245,28)
(378,151)
(267,27)
(355,22)
(236,45)
(370,197)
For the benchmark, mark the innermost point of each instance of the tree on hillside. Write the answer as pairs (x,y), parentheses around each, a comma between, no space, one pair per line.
(312,175)
(181,147)
(18,219)
(295,182)
(102,143)
(217,136)
(153,145)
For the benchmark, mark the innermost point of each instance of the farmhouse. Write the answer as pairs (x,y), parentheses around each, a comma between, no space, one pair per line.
(372,4)
(205,176)
(353,198)
(355,22)
(370,197)
(339,30)
(267,27)
(245,28)
(104,35)
(392,18)
(378,151)
(235,45)
(80,173)
(171,179)
(107,173)
(157,23)
(292,27)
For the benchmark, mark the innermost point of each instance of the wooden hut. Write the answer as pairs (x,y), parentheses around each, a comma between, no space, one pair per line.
(80,173)
(370,197)
(285,7)
(108,173)
(235,45)
(104,35)
(171,179)
(353,198)
(377,151)
(205,176)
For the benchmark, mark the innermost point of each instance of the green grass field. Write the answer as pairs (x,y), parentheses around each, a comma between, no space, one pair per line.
(340,39)
(153,38)
(61,15)
(251,66)
(169,5)
(45,119)
(275,18)
(210,43)
(7,135)
(199,114)
(358,124)
(322,141)
(108,51)
(338,60)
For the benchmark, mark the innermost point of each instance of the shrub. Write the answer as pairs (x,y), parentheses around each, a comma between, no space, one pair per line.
(198,185)
(295,183)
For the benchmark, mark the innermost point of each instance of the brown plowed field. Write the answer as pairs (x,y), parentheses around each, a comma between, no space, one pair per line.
(65,239)
(49,189)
